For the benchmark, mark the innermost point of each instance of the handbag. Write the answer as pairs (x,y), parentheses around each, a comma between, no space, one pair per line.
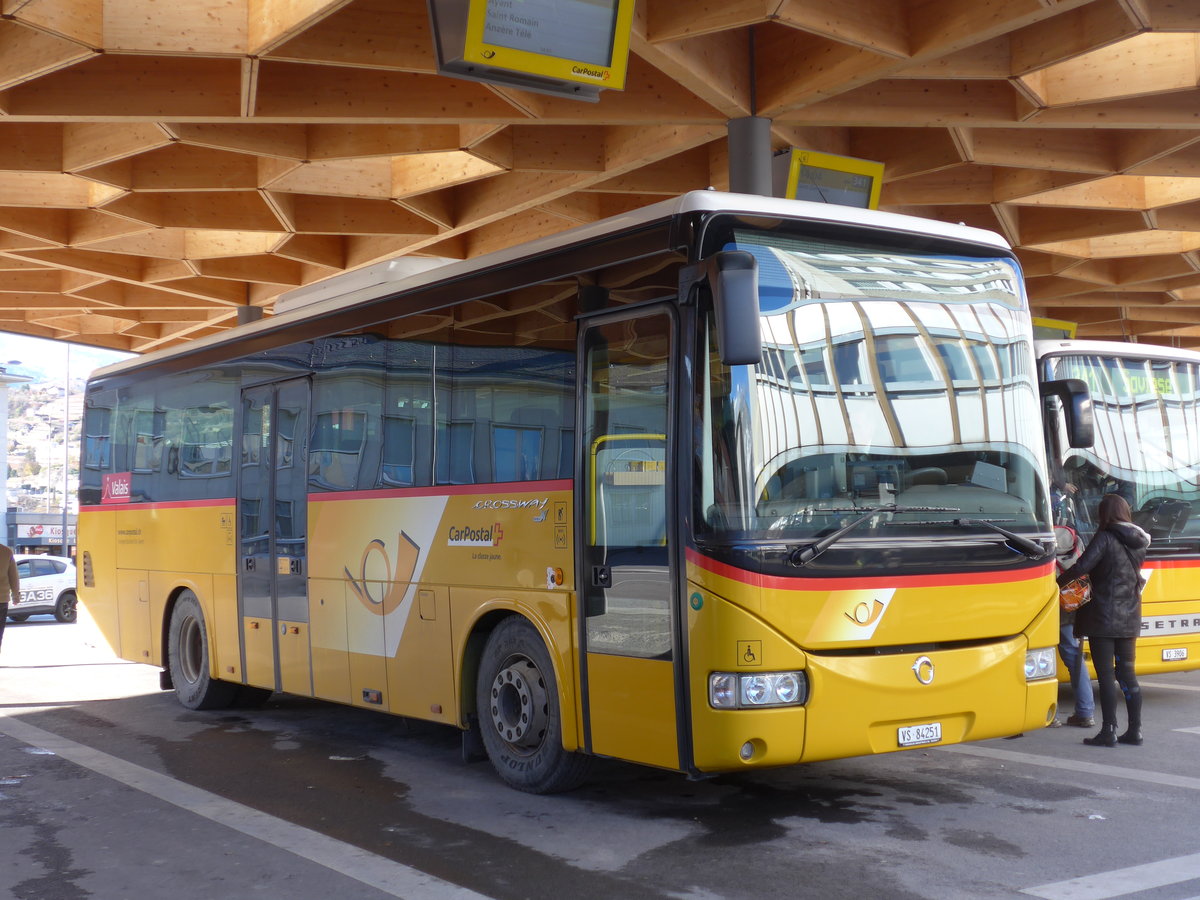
(1075,593)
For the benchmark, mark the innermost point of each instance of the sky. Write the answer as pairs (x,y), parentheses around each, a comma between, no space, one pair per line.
(46,360)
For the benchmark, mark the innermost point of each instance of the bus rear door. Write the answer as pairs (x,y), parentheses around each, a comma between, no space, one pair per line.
(272,536)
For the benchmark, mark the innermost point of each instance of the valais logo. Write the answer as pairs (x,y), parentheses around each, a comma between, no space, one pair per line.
(117,488)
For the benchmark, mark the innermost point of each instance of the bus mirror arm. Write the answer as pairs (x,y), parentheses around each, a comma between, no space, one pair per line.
(732,276)
(1077,405)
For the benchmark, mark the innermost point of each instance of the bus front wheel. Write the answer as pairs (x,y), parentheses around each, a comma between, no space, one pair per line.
(517,702)
(187,656)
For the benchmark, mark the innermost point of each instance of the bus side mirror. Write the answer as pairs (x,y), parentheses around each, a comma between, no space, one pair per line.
(733,279)
(1077,406)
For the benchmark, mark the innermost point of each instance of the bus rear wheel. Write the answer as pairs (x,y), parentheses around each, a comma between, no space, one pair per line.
(517,702)
(187,657)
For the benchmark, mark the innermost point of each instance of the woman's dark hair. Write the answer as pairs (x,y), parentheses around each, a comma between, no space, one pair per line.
(1113,508)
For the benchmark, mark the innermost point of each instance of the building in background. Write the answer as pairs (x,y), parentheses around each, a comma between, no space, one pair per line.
(7,379)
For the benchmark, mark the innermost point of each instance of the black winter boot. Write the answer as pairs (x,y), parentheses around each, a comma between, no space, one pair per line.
(1107,737)
(1133,703)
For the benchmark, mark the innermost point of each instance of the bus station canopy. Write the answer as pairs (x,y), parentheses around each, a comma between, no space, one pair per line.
(164,164)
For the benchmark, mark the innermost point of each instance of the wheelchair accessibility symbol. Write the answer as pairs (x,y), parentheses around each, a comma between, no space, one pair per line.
(749,653)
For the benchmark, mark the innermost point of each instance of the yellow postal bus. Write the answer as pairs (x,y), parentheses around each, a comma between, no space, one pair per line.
(726,482)
(1146,408)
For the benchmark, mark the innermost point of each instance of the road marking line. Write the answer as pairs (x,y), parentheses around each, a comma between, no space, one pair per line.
(1168,686)
(1195,730)
(388,876)
(1072,765)
(1119,882)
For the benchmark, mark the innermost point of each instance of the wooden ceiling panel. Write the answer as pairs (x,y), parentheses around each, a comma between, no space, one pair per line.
(78,20)
(168,163)
(1071,35)
(305,93)
(132,86)
(144,26)
(377,34)
(28,53)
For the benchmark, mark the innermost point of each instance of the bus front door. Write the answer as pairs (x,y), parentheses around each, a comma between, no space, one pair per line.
(272,524)
(628,586)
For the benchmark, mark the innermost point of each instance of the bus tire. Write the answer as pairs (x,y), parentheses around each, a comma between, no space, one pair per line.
(19,617)
(187,656)
(520,721)
(65,610)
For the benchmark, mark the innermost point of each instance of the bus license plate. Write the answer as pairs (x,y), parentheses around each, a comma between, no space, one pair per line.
(1174,653)
(915,735)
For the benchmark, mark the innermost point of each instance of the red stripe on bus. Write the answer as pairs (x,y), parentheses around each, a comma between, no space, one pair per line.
(507,487)
(165,504)
(458,490)
(775,582)
(1171,564)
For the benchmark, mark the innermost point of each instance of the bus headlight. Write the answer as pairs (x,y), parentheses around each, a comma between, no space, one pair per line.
(743,690)
(1040,664)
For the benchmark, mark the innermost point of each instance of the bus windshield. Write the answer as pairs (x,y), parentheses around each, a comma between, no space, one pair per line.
(1147,415)
(890,380)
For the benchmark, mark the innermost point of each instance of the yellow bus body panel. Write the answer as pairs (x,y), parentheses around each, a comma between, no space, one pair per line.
(96,588)
(295,668)
(224,625)
(624,724)
(398,583)
(417,571)
(133,615)
(859,701)
(1170,617)
(330,648)
(259,637)
(140,559)
(420,676)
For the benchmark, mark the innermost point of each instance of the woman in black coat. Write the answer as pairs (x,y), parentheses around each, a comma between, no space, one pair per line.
(1112,620)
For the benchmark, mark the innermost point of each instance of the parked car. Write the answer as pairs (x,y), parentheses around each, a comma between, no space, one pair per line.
(47,586)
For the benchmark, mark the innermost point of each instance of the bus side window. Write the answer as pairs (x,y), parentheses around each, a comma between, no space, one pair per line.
(335,453)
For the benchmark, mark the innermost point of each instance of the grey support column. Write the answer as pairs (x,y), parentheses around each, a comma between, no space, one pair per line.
(750,155)
(247,314)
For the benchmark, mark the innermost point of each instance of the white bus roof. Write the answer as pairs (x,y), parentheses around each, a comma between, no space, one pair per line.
(1114,348)
(405,273)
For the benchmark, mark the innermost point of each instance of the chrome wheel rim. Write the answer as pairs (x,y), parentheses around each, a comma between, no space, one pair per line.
(519,705)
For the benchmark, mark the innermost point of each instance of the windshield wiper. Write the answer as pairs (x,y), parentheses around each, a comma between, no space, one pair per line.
(1022,544)
(802,556)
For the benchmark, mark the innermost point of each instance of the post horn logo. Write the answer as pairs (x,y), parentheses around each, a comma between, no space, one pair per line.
(395,582)
(865,613)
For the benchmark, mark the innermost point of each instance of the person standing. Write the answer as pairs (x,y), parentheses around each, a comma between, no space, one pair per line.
(1112,620)
(1070,648)
(11,590)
